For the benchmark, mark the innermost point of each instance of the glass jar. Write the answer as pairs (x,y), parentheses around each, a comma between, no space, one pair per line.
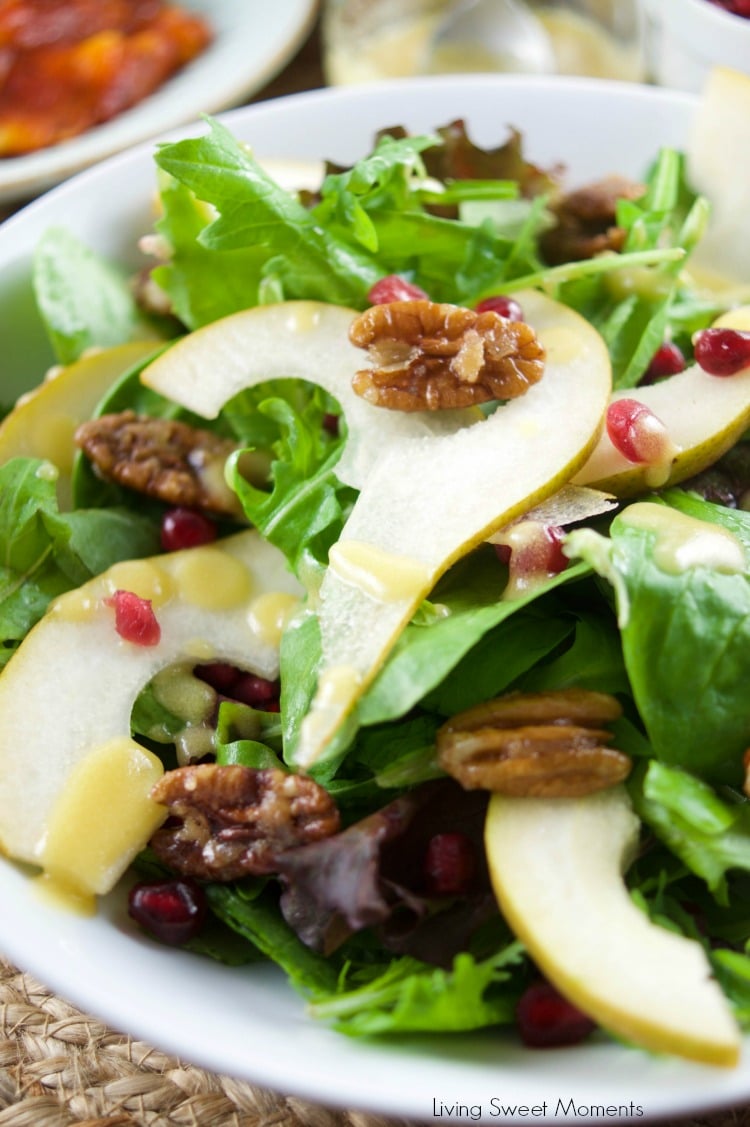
(367,40)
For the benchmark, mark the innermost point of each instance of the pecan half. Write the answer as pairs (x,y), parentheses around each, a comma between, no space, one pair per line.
(586,220)
(549,744)
(163,458)
(227,822)
(430,356)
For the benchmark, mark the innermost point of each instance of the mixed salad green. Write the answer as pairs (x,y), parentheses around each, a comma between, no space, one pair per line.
(372,946)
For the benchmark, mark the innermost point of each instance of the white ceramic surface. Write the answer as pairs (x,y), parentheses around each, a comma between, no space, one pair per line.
(253,40)
(684,39)
(247,1022)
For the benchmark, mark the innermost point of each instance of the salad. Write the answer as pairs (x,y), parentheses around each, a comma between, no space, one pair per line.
(372,685)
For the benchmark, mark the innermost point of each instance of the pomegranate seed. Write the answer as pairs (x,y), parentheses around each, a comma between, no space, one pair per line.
(636,432)
(504,306)
(257,692)
(186,528)
(734,7)
(668,360)
(394,288)
(533,552)
(135,620)
(220,675)
(331,424)
(546,1019)
(450,864)
(172,910)
(722,352)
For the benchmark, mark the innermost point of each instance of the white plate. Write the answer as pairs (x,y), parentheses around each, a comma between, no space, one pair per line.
(253,40)
(248,1023)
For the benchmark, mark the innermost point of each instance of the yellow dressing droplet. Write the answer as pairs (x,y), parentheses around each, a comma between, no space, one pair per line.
(103,818)
(75,606)
(683,542)
(143,577)
(212,579)
(337,689)
(59,894)
(561,344)
(184,695)
(304,318)
(269,614)
(200,649)
(382,575)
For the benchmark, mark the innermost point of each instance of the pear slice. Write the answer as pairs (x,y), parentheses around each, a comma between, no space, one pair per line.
(432,486)
(556,867)
(66,696)
(42,423)
(704,417)
(718,166)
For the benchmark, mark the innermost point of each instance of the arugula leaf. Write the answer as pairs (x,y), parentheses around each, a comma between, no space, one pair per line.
(84,301)
(253,211)
(410,997)
(306,508)
(202,284)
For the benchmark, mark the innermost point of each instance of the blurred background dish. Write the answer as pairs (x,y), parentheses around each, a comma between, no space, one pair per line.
(364,41)
(685,39)
(251,44)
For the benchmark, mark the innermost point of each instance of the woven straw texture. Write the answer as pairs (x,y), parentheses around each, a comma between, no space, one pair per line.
(61,1068)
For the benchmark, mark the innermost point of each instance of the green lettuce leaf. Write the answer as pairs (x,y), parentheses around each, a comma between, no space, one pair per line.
(410,997)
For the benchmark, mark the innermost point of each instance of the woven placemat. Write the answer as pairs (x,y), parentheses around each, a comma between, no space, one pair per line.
(62,1068)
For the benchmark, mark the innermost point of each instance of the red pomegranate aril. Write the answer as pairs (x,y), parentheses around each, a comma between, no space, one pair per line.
(135,620)
(186,528)
(331,424)
(547,1020)
(220,675)
(257,692)
(173,911)
(636,432)
(722,352)
(395,288)
(533,552)
(450,864)
(668,360)
(504,306)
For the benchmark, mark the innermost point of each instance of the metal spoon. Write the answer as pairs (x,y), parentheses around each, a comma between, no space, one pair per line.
(496,35)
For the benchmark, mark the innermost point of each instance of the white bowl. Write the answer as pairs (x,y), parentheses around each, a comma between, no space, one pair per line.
(685,39)
(247,1022)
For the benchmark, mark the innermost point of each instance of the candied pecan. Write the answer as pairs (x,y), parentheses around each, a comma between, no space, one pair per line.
(549,744)
(586,220)
(230,821)
(431,356)
(170,460)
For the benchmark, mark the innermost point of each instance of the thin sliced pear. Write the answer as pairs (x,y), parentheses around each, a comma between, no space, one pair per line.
(718,166)
(42,423)
(69,690)
(704,417)
(432,486)
(556,867)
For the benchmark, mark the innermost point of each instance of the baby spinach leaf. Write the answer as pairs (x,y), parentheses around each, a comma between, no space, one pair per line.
(707,833)
(85,302)
(44,552)
(686,642)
